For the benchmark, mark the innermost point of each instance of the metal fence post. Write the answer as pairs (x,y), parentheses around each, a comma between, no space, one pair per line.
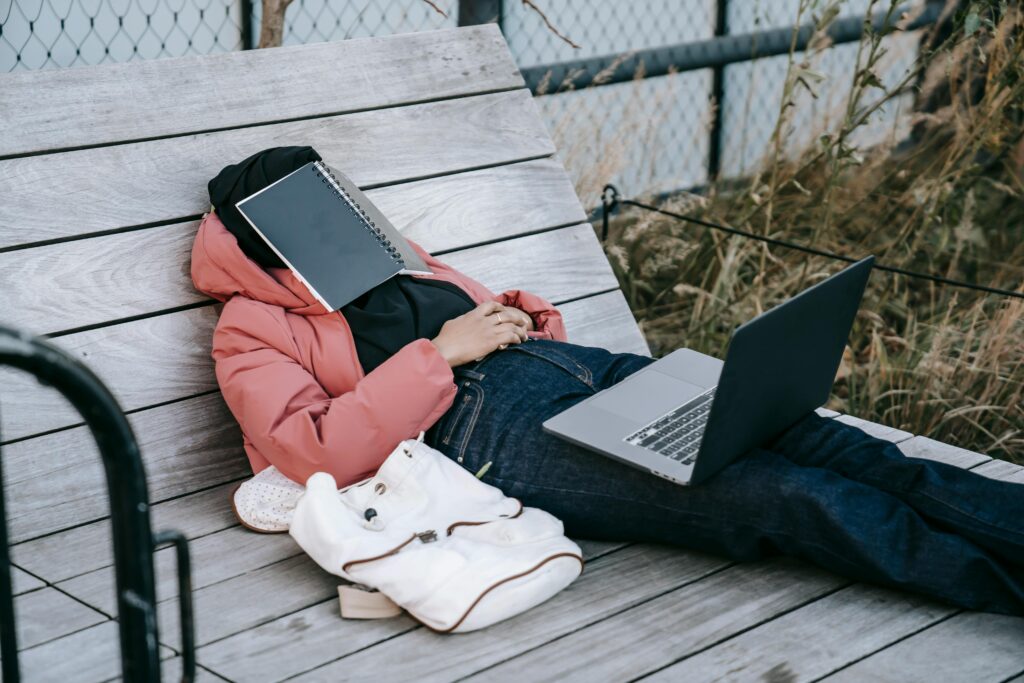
(472,12)
(8,631)
(247,41)
(717,95)
(133,539)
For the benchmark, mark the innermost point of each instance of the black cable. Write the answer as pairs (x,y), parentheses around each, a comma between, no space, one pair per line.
(611,199)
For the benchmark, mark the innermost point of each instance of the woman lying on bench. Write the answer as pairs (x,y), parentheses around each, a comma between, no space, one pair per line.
(318,391)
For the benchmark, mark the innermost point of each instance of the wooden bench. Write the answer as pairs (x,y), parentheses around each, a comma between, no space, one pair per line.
(103,174)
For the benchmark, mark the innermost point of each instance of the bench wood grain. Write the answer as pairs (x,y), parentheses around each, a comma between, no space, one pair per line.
(93,105)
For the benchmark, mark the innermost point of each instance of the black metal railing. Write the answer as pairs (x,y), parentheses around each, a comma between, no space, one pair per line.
(133,540)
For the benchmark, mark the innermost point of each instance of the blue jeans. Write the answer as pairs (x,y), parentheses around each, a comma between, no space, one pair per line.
(823,491)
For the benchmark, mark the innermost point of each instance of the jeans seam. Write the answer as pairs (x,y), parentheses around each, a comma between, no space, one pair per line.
(455,420)
(585,375)
(773,532)
(970,515)
(472,421)
(602,495)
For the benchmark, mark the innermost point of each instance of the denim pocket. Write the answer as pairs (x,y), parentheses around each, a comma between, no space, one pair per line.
(550,352)
(455,431)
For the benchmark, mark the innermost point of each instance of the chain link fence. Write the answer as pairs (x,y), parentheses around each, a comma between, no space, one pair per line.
(645,134)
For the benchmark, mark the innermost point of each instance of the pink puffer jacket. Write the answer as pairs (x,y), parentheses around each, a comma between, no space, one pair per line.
(290,375)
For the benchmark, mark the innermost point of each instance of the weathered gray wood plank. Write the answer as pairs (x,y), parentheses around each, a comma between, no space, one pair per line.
(170,670)
(295,643)
(558,264)
(167,357)
(605,321)
(298,642)
(876,430)
(104,277)
(970,647)
(23,582)
(1001,469)
(251,599)
(56,480)
(76,193)
(813,641)
(923,447)
(655,633)
(218,557)
(607,585)
(93,105)
(46,614)
(88,656)
(463,209)
(197,514)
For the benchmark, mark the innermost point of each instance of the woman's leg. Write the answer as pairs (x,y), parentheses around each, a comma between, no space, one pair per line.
(762,504)
(987,511)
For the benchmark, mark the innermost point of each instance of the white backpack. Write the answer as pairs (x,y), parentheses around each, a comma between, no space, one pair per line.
(454,552)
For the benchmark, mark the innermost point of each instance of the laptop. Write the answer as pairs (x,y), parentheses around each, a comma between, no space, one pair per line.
(687,415)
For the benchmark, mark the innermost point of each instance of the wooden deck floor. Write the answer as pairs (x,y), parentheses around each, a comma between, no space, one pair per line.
(266,613)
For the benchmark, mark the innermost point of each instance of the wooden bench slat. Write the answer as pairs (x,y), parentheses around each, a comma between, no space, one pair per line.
(164,357)
(56,481)
(170,670)
(930,449)
(210,455)
(973,646)
(228,607)
(91,655)
(196,514)
(608,584)
(48,614)
(876,430)
(1001,469)
(606,321)
(294,643)
(23,582)
(62,108)
(640,640)
(76,193)
(217,557)
(90,281)
(813,641)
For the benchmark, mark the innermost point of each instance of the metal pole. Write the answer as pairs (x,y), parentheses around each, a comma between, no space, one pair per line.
(8,631)
(126,482)
(704,54)
(473,12)
(247,41)
(717,95)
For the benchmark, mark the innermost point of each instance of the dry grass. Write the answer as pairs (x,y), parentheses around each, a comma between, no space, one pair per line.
(931,359)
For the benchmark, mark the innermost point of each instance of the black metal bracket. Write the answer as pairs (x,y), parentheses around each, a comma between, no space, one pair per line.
(133,539)
(609,202)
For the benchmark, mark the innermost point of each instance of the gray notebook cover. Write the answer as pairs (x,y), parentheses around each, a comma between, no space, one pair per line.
(326,235)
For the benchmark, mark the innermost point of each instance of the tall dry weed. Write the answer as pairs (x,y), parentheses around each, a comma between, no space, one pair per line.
(932,359)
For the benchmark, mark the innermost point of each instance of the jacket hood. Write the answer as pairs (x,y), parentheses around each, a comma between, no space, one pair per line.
(220,270)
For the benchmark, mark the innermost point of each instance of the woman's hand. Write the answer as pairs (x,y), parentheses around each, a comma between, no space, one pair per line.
(516,315)
(475,334)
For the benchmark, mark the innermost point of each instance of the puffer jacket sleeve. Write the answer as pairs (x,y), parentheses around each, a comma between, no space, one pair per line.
(547,320)
(296,425)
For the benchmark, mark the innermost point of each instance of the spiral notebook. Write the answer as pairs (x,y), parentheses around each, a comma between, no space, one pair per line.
(330,234)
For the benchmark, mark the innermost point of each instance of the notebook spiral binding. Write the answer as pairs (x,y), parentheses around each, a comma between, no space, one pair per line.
(326,176)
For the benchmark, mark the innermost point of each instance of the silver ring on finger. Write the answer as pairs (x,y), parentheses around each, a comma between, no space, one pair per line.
(498,315)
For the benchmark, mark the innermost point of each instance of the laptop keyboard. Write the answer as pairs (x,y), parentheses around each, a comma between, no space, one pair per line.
(677,434)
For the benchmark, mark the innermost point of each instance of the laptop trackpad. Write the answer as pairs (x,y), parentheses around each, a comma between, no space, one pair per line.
(646,396)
